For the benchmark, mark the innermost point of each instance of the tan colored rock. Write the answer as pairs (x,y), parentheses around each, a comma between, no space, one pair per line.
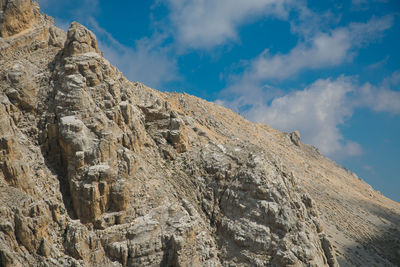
(16,16)
(44,248)
(24,233)
(7,259)
(14,168)
(79,40)
(98,171)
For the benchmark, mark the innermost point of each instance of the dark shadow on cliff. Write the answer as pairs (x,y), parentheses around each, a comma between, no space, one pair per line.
(52,162)
(49,136)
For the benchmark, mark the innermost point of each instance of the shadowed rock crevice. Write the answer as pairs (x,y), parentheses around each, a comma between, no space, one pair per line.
(49,138)
(52,155)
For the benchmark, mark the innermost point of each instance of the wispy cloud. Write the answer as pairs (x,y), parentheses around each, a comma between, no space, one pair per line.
(149,60)
(377,65)
(208,23)
(316,112)
(321,51)
(382,98)
(81,11)
(319,110)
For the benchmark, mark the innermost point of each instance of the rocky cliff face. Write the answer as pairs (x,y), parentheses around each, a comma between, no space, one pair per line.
(98,171)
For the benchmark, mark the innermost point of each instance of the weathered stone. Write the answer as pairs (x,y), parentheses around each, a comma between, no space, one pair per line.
(7,259)
(77,243)
(24,233)
(15,16)
(295,138)
(79,40)
(98,171)
(44,248)
(328,250)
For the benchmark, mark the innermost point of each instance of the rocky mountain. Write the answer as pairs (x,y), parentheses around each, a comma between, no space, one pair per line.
(96,170)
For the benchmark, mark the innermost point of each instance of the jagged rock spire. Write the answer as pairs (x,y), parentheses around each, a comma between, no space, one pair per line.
(79,40)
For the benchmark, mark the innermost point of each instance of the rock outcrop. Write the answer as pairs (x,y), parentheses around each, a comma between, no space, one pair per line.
(98,171)
(16,16)
(79,41)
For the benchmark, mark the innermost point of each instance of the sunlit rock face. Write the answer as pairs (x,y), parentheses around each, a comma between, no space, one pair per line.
(16,16)
(98,171)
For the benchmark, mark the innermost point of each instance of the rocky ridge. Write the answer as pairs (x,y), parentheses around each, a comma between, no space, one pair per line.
(99,171)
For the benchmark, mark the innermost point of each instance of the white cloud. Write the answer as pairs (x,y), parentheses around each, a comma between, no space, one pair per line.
(377,65)
(320,109)
(207,23)
(321,51)
(382,98)
(393,80)
(316,112)
(307,22)
(364,33)
(148,62)
(325,50)
(248,91)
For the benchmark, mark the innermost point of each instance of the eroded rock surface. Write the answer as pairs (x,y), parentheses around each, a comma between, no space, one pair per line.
(16,16)
(99,171)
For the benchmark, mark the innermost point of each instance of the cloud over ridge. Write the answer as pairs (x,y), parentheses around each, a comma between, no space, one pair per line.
(207,23)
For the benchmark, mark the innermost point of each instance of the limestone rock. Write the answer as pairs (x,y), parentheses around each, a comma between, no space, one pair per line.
(44,248)
(16,16)
(98,171)
(79,40)
(295,137)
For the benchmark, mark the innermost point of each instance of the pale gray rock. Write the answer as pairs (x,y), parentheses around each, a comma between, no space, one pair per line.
(295,138)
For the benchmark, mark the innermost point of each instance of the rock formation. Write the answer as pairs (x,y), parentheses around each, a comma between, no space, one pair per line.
(98,171)
(16,16)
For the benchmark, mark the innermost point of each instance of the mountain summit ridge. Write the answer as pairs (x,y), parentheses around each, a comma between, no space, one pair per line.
(99,171)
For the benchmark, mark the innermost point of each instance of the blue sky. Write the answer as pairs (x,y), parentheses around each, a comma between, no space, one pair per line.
(330,69)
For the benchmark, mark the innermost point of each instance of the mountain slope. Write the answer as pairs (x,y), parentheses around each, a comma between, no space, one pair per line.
(99,171)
